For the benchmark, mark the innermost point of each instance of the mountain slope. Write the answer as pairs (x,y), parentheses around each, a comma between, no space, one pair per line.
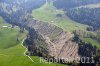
(12,52)
(55,39)
(48,13)
(50,39)
(66,4)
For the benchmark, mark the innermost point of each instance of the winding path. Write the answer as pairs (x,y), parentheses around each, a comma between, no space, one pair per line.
(26,51)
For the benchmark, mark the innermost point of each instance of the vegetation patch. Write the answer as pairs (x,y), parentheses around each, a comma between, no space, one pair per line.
(48,13)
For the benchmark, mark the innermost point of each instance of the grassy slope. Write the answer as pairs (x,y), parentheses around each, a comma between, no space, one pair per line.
(11,52)
(5,40)
(93,42)
(2,23)
(47,13)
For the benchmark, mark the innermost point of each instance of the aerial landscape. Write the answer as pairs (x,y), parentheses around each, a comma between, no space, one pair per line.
(49,32)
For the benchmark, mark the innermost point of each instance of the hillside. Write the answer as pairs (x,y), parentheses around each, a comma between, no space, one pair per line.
(89,16)
(82,11)
(48,13)
(12,52)
(62,4)
(53,33)
(56,39)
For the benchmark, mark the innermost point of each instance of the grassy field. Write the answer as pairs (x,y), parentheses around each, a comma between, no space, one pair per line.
(3,23)
(11,50)
(47,13)
(93,42)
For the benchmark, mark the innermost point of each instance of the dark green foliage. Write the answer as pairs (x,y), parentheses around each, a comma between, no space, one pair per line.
(87,50)
(23,8)
(59,15)
(90,29)
(76,37)
(65,4)
(86,16)
(35,43)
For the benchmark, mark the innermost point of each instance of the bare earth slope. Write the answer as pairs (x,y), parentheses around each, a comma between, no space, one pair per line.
(58,42)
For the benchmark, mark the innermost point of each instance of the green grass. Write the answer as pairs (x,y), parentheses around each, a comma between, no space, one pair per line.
(12,52)
(38,62)
(92,41)
(8,37)
(3,23)
(14,57)
(47,13)
(1,20)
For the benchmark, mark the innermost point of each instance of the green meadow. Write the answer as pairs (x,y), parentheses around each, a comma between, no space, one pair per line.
(92,41)
(48,13)
(11,50)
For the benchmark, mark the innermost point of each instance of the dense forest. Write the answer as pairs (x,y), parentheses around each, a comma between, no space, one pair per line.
(65,4)
(89,16)
(17,11)
(84,15)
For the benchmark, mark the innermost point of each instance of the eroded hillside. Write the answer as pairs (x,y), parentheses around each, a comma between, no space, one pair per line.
(58,42)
